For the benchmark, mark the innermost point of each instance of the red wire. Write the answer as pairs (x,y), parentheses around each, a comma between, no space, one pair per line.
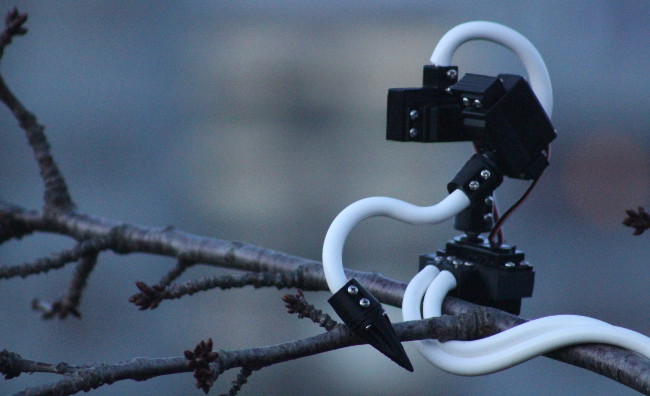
(499,223)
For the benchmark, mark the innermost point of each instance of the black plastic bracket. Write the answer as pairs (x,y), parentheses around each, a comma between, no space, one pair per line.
(365,316)
(478,178)
(495,277)
(500,114)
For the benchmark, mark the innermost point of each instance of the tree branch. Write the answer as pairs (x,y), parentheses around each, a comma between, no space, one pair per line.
(14,22)
(85,378)
(57,260)
(617,364)
(151,296)
(56,191)
(68,304)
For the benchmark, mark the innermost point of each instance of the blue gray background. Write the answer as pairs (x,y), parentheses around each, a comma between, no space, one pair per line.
(260,121)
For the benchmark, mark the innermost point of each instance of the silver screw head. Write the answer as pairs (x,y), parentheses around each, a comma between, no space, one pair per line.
(439,259)
(466,102)
(353,290)
(485,174)
(364,302)
(452,74)
(468,264)
(525,264)
(414,114)
(474,185)
(510,265)
(489,201)
(478,104)
(413,133)
(457,262)
(487,218)
(368,327)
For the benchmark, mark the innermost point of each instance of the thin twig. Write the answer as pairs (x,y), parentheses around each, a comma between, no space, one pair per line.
(175,272)
(242,378)
(68,304)
(151,296)
(56,260)
(14,26)
(56,194)
(298,304)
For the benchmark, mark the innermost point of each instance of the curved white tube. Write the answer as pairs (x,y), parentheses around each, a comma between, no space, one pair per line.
(540,81)
(380,206)
(512,346)
(414,292)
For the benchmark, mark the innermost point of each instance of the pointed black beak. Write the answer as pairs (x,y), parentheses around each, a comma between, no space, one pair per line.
(364,315)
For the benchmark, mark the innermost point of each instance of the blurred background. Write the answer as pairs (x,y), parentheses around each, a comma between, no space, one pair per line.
(260,121)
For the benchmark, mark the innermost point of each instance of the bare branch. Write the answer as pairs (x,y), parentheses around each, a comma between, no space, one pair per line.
(68,304)
(241,379)
(92,376)
(14,22)
(12,365)
(616,364)
(56,191)
(151,296)
(175,272)
(298,304)
(57,260)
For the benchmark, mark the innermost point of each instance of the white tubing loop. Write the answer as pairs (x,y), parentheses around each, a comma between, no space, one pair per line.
(540,80)
(509,347)
(380,206)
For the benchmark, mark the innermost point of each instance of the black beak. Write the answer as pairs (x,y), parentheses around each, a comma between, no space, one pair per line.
(364,315)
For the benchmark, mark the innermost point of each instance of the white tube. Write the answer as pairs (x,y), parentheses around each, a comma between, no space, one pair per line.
(509,347)
(380,206)
(507,357)
(540,81)
(515,335)
(414,291)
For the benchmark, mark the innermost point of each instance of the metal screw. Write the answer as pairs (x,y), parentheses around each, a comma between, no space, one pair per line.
(451,258)
(448,89)
(364,302)
(438,259)
(414,114)
(478,104)
(413,133)
(510,264)
(457,262)
(487,218)
(489,201)
(353,290)
(468,264)
(368,327)
(466,102)
(474,185)
(452,74)
(485,174)
(525,264)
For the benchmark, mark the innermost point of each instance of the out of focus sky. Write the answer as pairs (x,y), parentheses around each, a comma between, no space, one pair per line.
(260,121)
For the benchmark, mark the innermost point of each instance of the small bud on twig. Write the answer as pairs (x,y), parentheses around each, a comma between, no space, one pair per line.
(640,220)
(200,360)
